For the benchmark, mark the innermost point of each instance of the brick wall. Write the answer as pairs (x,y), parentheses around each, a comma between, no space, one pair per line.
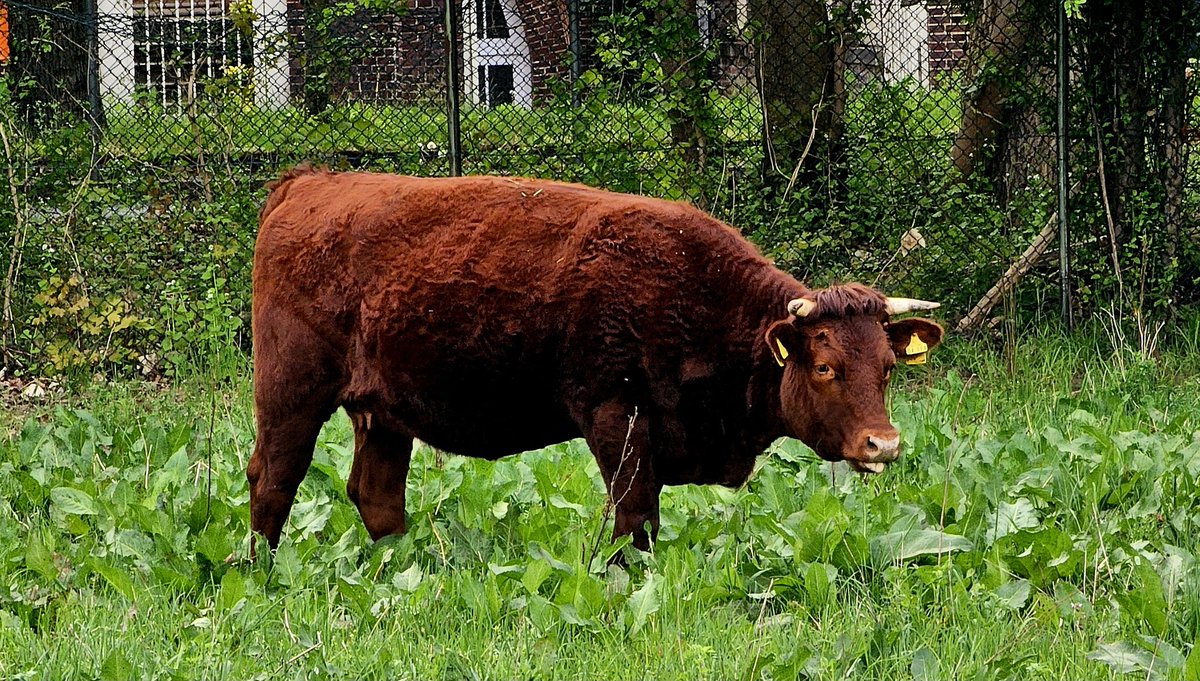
(947,41)
(549,39)
(399,58)
(402,58)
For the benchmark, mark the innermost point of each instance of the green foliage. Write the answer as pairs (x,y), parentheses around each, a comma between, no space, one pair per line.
(82,332)
(1036,522)
(155,218)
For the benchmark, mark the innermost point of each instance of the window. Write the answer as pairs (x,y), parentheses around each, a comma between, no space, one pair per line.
(489,19)
(179,44)
(496,84)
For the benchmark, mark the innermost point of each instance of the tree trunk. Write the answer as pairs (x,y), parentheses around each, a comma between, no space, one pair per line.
(1025,141)
(1173,32)
(49,68)
(793,54)
(685,64)
(1116,72)
(846,23)
(997,38)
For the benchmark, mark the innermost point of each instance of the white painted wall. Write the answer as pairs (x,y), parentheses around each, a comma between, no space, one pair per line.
(902,34)
(271,84)
(514,51)
(116,50)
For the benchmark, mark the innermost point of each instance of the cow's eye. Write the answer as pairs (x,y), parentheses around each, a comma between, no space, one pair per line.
(823,369)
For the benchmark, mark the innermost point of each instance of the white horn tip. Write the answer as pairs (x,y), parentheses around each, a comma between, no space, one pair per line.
(897,306)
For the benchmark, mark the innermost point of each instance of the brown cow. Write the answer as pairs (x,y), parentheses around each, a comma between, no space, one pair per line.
(488,316)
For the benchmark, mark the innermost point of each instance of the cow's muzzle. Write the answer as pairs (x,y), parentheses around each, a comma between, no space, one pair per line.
(877,452)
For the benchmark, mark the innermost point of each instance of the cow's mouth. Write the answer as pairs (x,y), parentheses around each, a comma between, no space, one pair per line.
(867,466)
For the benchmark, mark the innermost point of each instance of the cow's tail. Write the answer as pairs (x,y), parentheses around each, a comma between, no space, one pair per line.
(277,189)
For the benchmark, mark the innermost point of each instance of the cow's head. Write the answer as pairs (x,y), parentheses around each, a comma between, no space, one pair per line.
(837,349)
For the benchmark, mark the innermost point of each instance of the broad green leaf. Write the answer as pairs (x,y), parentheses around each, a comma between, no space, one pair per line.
(536,572)
(905,544)
(539,552)
(1122,657)
(1010,518)
(924,665)
(571,616)
(557,501)
(544,614)
(116,667)
(233,589)
(1013,594)
(287,563)
(117,578)
(215,544)
(1146,600)
(1041,555)
(817,584)
(39,558)
(1191,668)
(504,569)
(410,579)
(642,603)
(1166,656)
(73,501)
(310,517)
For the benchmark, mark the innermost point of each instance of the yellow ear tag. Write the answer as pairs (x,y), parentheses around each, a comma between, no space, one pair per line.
(916,351)
(783,353)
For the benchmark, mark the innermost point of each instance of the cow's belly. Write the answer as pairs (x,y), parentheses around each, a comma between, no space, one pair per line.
(490,431)
(468,413)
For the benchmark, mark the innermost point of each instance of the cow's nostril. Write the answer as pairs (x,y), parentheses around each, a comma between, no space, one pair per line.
(881,447)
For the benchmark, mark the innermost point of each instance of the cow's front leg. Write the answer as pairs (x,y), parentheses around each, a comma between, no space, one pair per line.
(378,476)
(619,437)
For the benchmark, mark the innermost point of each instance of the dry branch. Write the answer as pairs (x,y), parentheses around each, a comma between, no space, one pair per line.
(1011,277)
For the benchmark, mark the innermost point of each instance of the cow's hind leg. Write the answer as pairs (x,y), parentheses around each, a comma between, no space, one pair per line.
(296,389)
(380,471)
(619,438)
(280,461)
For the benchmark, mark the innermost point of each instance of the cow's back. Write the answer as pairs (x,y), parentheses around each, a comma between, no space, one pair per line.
(479,246)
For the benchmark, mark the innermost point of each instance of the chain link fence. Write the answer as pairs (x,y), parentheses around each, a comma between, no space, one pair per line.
(913,145)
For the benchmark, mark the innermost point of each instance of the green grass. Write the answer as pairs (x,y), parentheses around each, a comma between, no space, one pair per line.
(1042,524)
(223,125)
(227,124)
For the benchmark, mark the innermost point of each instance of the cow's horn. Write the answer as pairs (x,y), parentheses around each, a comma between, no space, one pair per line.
(801,307)
(897,306)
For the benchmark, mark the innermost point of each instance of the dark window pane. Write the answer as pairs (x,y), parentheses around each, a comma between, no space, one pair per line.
(496,27)
(500,84)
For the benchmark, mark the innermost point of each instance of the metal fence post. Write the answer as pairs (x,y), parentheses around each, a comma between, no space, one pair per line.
(1064,232)
(452,88)
(576,52)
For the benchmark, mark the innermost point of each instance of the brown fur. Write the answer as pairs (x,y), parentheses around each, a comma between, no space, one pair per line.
(489,316)
(847,300)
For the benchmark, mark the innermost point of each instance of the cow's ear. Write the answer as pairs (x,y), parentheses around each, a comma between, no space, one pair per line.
(783,341)
(912,338)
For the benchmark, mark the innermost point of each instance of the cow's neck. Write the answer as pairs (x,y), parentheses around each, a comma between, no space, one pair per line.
(764,302)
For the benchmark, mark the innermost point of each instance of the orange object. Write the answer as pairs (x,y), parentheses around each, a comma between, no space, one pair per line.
(3,33)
